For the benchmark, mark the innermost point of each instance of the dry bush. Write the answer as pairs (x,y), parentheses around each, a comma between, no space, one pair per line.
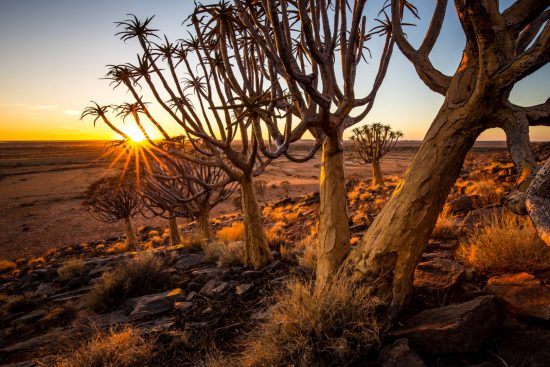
(70,269)
(505,243)
(286,187)
(135,277)
(308,328)
(16,303)
(489,192)
(285,214)
(445,226)
(6,265)
(225,254)
(195,240)
(37,262)
(235,232)
(125,348)
(275,235)
(118,248)
(307,257)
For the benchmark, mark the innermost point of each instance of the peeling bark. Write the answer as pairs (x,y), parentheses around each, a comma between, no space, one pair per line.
(131,237)
(538,202)
(256,251)
(175,237)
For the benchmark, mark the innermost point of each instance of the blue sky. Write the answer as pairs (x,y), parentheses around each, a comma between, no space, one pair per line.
(54,53)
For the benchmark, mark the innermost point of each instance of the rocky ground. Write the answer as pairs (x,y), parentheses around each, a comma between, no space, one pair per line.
(458,316)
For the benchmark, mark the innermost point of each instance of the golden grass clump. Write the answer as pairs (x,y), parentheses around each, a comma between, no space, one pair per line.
(308,328)
(234,232)
(140,275)
(37,262)
(225,254)
(445,226)
(6,265)
(70,269)
(488,191)
(125,348)
(505,243)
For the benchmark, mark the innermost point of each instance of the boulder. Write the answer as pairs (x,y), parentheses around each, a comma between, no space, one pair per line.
(30,317)
(183,306)
(522,294)
(437,274)
(463,204)
(154,304)
(243,288)
(399,354)
(214,288)
(46,290)
(459,327)
(189,261)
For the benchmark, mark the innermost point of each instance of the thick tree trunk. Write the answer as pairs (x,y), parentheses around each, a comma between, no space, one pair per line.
(334,234)
(203,223)
(256,251)
(131,237)
(377,179)
(538,202)
(175,237)
(391,248)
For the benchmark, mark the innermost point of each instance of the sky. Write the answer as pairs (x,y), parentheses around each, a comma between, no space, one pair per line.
(54,53)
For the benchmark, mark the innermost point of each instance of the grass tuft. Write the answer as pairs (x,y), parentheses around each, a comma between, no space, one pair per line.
(225,254)
(6,265)
(70,269)
(235,232)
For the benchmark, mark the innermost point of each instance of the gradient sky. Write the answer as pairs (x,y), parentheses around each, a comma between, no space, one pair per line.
(54,53)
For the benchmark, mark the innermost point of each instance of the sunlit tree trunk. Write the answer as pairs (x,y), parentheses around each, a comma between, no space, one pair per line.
(377,178)
(203,223)
(175,237)
(131,238)
(256,251)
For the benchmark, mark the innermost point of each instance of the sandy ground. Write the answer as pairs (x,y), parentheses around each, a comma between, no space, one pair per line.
(41,186)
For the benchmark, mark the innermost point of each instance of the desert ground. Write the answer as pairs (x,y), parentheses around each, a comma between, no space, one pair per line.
(42,183)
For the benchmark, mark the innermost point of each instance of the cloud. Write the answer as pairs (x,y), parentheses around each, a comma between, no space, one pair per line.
(72,112)
(44,107)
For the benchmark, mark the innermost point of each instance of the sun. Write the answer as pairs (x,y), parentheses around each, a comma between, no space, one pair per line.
(135,134)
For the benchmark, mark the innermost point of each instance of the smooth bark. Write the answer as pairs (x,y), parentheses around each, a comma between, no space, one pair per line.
(334,234)
(131,237)
(256,251)
(377,178)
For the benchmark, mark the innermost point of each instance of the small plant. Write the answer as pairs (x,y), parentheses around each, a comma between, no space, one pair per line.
(307,256)
(308,328)
(37,262)
(488,191)
(225,254)
(260,187)
(506,243)
(6,265)
(235,232)
(445,227)
(125,348)
(285,186)
(135,277)
(16,303)
(70,269)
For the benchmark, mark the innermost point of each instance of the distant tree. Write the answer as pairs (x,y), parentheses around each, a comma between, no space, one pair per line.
(261,188)
(285,186)
(112,199)
(371,143)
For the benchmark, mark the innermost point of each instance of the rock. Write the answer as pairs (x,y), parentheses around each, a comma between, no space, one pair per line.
(154,304)
(455,328)
(522,294)
(478,217)
(189,261)
(33,344)
(46,290)
(399,354)
(183,306)
(214,288)
(210,272)
(463,204)
(251,274)
(70,295)
(437,274)
(30,317)
(243,288)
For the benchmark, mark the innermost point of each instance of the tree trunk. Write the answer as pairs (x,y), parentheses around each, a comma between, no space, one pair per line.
(131,237)
(538,202)
(175,237)
(256,251)
(391,248)
(334,234)
(203,224)
(377,179)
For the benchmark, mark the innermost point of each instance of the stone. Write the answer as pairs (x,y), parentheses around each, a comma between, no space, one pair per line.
(189,261)
(183,306)
(523,294)
(154,304)
(463,204)
(459,327)
(399,354)
(214,288)
(251,274)
(243,288)
(30,317)
(46,290)
(437,274)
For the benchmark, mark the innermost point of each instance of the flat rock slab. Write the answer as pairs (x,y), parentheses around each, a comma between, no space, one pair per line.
(523,294)
(437,274)
(214,288)
(189,262)
(399,354)
(154,304)
(455,328)
(30,317)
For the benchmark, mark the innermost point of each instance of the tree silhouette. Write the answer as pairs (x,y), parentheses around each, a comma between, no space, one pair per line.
(370,143)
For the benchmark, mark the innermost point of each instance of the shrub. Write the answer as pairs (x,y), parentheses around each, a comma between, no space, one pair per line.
(141,275)
(306,328)
(505,243)
(285,186)
(225,254)
(445,227)
(235,232)
(118,248)
(116,349)
(489,193)
(38,262)
(16,303)
(307,256)
(6,265)
(70,269)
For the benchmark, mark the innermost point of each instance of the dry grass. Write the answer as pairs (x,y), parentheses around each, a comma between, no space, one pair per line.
(141,275)
(235,232)
(506,243)
(489,192)
(445,227)
(125,348)
(6,265)
(225,254)
(16,303)
(118,248)
(37,262)
(307,256)
(307,328)
(70,269)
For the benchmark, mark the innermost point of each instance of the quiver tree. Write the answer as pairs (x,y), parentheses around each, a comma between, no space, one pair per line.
(302,40)
(215,86)
(112,199)
(370,143)
(502,48)
(175,187)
